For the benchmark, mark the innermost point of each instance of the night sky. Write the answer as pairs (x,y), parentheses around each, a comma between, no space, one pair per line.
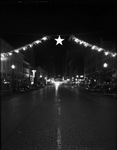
(23,23)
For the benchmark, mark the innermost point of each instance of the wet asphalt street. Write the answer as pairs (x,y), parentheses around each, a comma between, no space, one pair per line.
(58,118)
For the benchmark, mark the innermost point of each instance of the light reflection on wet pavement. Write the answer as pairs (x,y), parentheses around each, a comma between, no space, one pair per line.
(58,118)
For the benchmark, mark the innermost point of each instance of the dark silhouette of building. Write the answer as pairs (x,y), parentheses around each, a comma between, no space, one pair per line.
(93,62)
(74,64)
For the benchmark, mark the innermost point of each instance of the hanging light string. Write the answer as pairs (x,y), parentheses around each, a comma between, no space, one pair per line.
(24,48)
(93,47)
(75,39)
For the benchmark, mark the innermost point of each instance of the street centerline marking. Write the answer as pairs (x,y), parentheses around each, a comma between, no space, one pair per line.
(59,138)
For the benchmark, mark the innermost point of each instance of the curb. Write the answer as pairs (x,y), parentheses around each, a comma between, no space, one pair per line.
(102,94)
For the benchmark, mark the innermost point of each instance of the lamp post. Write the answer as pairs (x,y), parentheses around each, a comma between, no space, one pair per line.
(105,65)
(105,72)
(12,67)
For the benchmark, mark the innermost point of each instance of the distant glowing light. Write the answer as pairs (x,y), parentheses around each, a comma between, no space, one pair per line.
(44,38)
(106,53)
(100,49)
(24,48)
(5,82)
(40,76)
(93,47)
(31,45)
(38,41)
(113,55)
(13,66)
(2,55)
(17,51)
(9,53)
(57,84)
(105,65)
(48,80)
(32,83)
(3,58)
(81,76)
(86,44)
(80,42)
(76,40)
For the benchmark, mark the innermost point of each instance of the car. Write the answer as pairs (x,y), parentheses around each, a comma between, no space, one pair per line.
(107,88)
(41,85)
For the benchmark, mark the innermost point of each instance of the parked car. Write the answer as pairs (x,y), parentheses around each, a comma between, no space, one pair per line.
(23,88)
(113,89)
(34,87)
(108,88)
(41,85)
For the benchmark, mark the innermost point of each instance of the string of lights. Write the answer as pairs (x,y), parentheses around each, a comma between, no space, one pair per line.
(75,39)
(93,47)
(24,48)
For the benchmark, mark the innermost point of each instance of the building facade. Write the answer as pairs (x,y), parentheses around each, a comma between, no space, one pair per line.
(41,75)
(21,70)
(94,63)
(74,64)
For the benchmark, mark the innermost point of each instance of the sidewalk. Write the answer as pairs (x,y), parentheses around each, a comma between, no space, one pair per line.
(5,93)
(10,92)
(113,95)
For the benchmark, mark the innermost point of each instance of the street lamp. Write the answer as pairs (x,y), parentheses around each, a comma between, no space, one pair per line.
(81,76)
(40,76)
(105,72)
(13,67)
(105,65)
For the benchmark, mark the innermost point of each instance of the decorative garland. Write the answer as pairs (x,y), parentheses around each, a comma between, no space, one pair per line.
(24,48)
(59,41)
(93,47)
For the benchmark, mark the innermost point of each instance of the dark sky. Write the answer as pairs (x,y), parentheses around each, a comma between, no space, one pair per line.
(22,23)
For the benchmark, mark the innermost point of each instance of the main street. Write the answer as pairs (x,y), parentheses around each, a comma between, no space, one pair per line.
(58,118)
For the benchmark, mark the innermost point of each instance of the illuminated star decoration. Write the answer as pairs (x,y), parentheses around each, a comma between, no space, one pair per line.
(59,40)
